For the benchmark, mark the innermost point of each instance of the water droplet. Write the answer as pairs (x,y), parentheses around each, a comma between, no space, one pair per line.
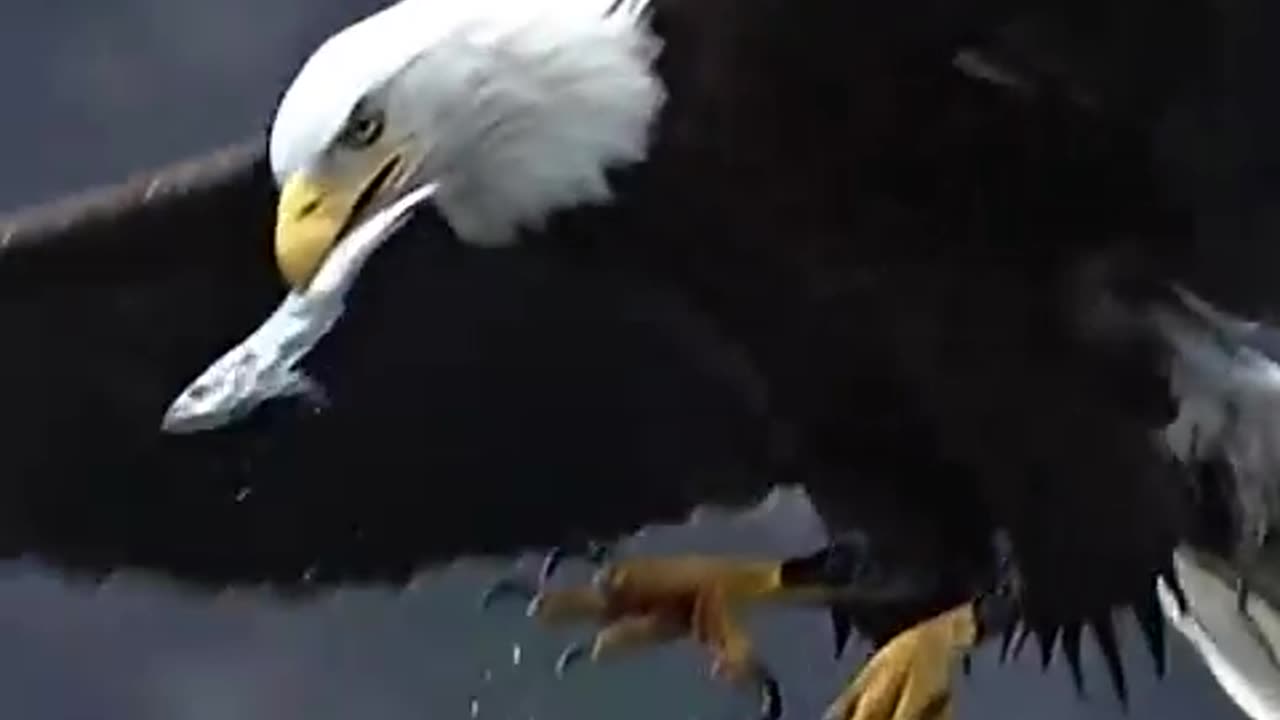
(309,574)
(243,493)
(475,707)
(488,675)
(515,654)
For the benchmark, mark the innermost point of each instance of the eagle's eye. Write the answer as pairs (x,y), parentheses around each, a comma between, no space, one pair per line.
(363,129)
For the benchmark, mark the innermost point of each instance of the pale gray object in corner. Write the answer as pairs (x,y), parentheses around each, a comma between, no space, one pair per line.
(263,366)
(1239,649)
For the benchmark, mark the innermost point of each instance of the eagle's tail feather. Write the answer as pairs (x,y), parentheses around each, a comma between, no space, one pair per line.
(1225,378)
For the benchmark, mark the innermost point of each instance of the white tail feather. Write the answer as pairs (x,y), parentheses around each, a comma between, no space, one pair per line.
(1228,396)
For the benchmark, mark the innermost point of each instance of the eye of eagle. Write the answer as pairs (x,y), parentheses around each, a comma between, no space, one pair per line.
(363,129)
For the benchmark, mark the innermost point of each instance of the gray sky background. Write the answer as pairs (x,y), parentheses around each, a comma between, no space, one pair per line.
(96,90)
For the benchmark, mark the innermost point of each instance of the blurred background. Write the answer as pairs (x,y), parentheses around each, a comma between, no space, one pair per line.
(97,90)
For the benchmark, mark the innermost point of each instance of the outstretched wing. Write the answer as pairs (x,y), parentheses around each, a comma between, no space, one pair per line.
(480,402)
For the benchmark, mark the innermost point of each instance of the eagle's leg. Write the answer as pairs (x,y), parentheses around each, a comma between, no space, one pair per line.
(909,677)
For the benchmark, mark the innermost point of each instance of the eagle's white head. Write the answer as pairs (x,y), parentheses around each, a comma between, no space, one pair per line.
(515,107)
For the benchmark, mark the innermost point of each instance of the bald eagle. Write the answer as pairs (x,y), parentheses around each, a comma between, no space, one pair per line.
(923,261)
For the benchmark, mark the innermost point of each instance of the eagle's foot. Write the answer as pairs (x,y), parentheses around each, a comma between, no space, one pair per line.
(702,612)
(909,678)
(646,601)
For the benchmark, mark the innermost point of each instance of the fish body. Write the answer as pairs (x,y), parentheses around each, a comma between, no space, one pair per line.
(264,366)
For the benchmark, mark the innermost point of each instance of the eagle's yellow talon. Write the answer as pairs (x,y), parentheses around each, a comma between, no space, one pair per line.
(910,677)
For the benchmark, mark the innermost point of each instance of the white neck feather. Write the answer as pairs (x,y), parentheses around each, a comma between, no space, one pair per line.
(524,104)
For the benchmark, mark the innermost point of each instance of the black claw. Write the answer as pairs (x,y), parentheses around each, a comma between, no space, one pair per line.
(1104,632)
(550,563)
(598,553)
(593,552)
(841,628)
(571,656)
(508,587)
(770,696)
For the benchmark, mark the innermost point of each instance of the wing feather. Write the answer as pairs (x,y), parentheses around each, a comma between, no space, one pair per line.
(480,404)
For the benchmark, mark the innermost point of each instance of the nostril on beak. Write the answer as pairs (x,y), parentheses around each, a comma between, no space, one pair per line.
(309,207)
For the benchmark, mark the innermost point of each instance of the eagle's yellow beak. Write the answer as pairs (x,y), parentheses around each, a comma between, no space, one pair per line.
(314,210)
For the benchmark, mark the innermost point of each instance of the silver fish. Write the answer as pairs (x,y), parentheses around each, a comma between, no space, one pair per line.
(263,365)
